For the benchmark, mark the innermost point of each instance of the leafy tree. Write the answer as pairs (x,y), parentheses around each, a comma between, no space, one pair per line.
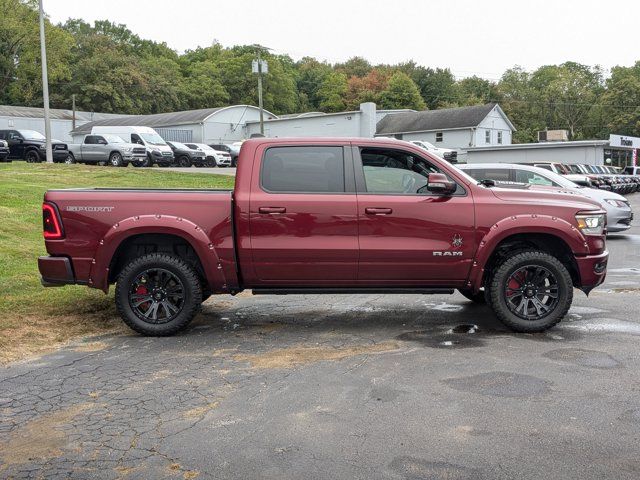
(332,91)
(311,74)
(354,67)
(622,100)
(402,92)
(476,91)
(367,88)
(20,67)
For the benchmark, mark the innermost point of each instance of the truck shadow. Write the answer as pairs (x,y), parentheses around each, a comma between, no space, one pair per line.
(431,324)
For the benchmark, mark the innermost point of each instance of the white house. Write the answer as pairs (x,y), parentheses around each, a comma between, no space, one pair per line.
(457,128)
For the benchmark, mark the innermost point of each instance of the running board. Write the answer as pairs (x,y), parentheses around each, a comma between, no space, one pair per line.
(357,290)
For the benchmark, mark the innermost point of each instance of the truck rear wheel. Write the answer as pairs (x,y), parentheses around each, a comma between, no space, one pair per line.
(70,159)
(158,294)
(530,291)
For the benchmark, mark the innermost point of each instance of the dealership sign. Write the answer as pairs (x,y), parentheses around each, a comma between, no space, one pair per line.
(624,141)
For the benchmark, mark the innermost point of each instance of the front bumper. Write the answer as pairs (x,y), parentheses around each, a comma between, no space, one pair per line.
(592,270)
(134,158)
(619,220)
(58,155)
(55,271)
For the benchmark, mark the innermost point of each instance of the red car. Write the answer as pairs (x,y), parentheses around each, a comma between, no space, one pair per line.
(322,215)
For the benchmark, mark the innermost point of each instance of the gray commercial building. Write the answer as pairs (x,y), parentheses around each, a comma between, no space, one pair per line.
(619,151)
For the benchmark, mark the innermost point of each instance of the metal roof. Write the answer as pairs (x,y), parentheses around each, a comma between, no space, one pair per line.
(155,120)
(525,146)
(429,120)
(55,113)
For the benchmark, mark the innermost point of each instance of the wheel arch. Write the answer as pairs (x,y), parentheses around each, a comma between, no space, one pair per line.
(545,233)
(154,233)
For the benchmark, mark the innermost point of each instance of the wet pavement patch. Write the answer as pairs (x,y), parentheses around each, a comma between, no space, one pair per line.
(583,358)
(501,384)
(411,468)
(460,336)
(602,325)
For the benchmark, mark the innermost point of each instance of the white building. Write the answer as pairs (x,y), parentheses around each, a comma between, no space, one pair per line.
(32,118)
(207,125)
(355,123)
(454,128)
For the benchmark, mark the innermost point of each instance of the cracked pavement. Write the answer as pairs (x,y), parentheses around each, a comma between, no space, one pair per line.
(319,387)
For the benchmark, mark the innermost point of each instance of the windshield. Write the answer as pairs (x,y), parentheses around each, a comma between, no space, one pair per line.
(153,138)
(31,135)
(113,139)
(180,146)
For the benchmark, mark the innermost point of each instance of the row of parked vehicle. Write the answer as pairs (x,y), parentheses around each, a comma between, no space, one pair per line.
(603,177)
(118,147)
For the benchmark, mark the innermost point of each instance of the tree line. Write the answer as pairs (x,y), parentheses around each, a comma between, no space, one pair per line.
(110,69)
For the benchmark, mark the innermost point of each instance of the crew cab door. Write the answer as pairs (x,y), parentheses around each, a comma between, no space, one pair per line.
(16,144)
(407,235)
(303,215)
(90,152)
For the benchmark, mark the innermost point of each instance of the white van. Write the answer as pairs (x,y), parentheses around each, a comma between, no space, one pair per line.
(157,149)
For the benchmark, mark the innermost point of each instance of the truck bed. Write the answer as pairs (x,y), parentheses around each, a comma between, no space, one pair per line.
(92,218)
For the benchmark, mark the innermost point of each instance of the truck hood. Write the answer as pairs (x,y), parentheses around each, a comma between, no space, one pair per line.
(556,196)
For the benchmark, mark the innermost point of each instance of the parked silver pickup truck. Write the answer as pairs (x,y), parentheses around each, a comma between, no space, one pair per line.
(106,150)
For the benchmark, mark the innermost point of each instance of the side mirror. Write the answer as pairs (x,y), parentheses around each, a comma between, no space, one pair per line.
(439,183)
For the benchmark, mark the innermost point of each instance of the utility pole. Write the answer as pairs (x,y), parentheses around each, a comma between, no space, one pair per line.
(73,111)
(45,87)
(260,94)
(260,67)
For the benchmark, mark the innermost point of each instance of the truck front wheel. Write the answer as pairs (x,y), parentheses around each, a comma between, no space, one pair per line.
(32,157)
(158,294)
(530,291)
(115,160)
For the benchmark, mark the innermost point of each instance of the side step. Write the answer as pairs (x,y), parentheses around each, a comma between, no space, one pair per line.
(356,290)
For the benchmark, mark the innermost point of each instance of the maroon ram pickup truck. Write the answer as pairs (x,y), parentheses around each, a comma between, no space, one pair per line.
(322,215)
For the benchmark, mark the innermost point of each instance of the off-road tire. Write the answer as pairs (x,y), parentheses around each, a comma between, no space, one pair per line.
(32,157)
(478,298)
(146,163)
(500,277)
(178,267)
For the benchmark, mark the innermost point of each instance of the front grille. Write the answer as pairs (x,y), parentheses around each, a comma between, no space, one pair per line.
(59,146)
(166,154)
(139,151)
(451,156)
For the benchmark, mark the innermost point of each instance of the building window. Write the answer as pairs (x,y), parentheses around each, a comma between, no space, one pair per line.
(487,136)
(438,136)
(499,137)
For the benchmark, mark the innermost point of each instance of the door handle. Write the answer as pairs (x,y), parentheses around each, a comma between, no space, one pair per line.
(378,211)
(269,210)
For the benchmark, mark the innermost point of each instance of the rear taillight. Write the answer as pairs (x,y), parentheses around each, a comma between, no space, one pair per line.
(51,223)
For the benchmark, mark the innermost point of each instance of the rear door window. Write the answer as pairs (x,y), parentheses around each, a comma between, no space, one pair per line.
(309,169)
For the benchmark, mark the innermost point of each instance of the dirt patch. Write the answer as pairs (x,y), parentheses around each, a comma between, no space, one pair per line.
(35,335)
(42,438)
(200,411)
(292,356)
(90,347)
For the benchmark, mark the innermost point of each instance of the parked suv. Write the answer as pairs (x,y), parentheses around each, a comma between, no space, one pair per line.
(448,154)
(212,155)
(30,146)
(4,151)
(232,150)
(186,156)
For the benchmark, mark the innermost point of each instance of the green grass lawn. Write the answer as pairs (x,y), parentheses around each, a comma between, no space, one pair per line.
(33,318)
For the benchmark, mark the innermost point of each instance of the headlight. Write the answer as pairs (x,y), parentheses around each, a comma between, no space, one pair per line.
(43,146)
(128,149)
(616,203)
(591,224)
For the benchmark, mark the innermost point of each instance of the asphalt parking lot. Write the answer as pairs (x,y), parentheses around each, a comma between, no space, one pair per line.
(363,386)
